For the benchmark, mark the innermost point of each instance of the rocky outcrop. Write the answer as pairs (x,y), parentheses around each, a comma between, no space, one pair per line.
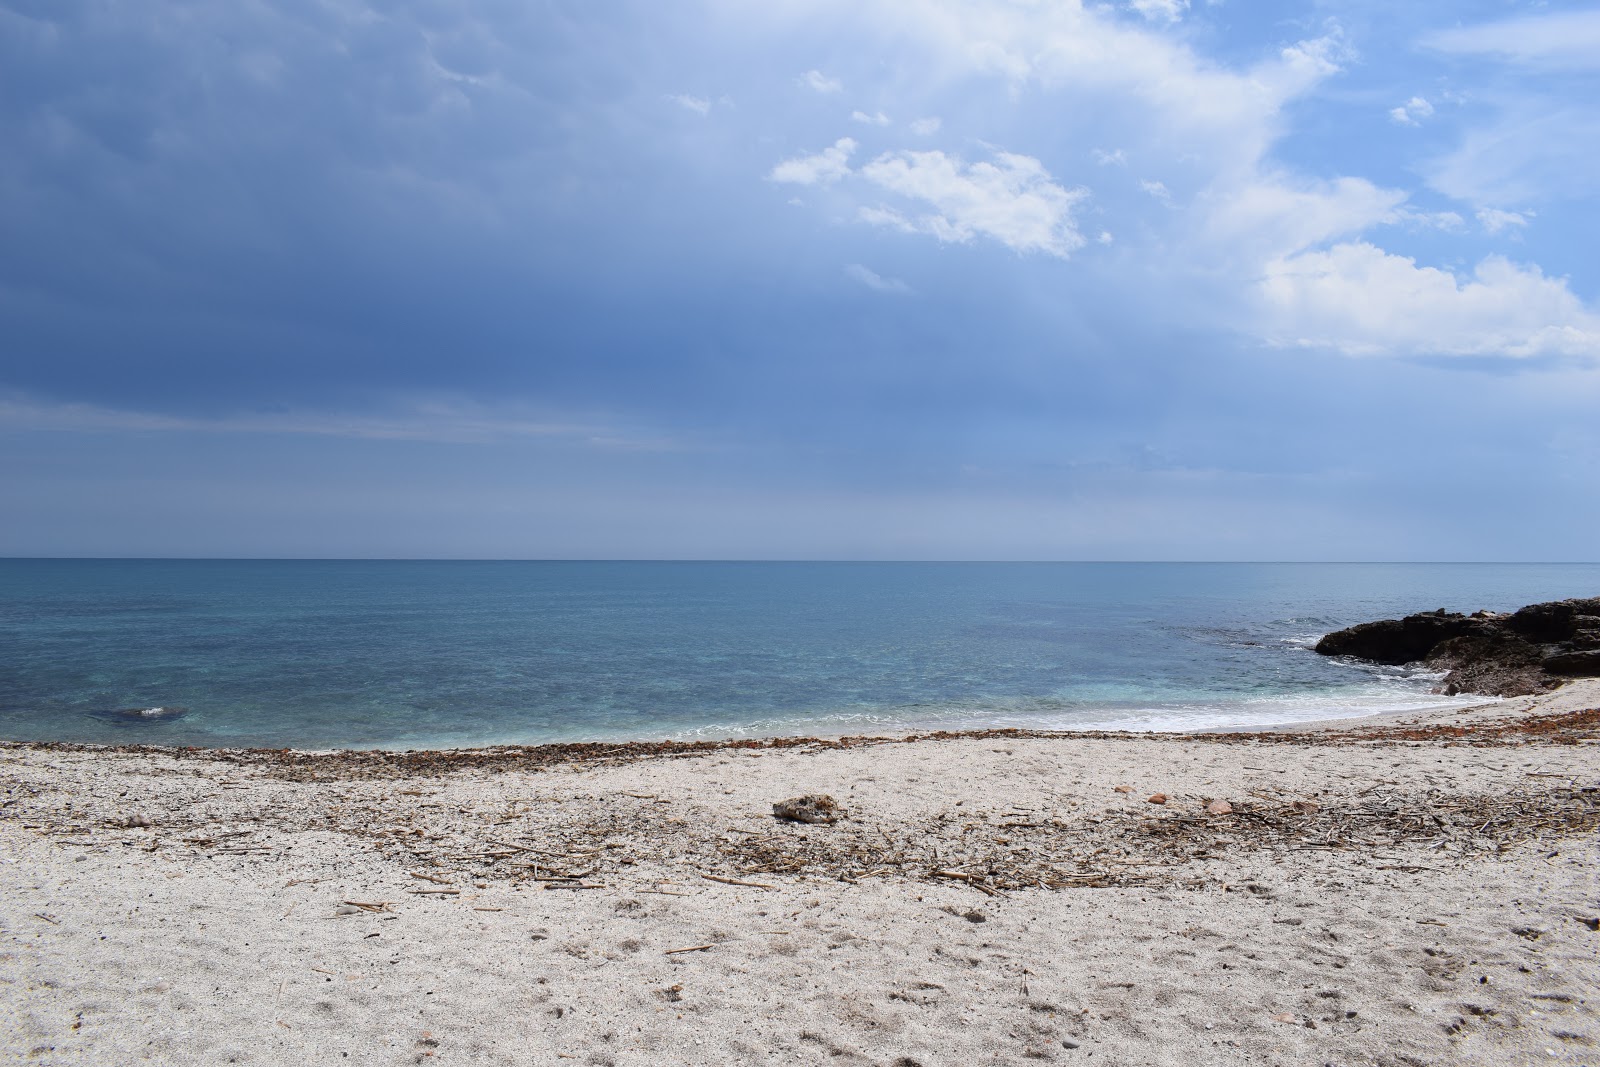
(1407,640)
(1528,651)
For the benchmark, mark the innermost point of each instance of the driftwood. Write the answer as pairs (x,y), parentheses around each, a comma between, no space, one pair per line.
(372,906)
(431,878)
(735,881)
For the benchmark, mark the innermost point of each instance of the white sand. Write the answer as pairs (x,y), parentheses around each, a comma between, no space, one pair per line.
(130,945)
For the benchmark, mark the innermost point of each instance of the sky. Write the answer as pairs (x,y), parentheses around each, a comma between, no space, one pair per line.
(832,279)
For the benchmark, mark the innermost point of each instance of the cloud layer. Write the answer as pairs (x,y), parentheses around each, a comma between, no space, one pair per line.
(1073,259)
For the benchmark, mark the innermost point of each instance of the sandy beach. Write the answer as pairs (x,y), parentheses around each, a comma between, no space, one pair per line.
(1406,891)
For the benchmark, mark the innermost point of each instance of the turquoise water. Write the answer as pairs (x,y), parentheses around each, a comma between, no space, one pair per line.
(321,654)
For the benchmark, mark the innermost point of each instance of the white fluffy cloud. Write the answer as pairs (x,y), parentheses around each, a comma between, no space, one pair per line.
(1494,220)
(1193,103)
(1412,112)
(1011,200)
(926,127)
(876,118)
(1280,254)
(825,167)
(1358,299)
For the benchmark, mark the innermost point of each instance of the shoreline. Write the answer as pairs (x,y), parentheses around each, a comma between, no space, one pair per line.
(1576,695)
(1397,890)
(1109,724)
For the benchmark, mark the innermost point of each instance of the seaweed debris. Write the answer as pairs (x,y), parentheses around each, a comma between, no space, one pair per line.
(1560,728)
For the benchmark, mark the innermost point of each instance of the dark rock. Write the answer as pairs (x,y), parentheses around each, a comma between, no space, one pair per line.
(1585,664)
(1527,651)
(1586,632)
(1500,666)
(1397,641)
(1554,621)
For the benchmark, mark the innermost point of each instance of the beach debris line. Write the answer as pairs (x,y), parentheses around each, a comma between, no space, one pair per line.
(811,808)
(1558,728)
(984,849)
(566,838)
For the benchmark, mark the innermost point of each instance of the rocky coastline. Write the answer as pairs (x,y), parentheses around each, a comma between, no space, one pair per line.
(1531,650)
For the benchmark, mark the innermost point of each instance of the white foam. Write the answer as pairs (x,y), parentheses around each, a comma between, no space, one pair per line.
(1155,718)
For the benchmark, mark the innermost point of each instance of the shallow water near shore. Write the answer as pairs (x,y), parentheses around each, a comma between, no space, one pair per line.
(392,654)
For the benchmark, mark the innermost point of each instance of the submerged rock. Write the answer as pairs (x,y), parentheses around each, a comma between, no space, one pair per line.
(1528,651)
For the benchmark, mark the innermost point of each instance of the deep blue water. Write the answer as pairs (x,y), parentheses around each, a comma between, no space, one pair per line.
(321,654)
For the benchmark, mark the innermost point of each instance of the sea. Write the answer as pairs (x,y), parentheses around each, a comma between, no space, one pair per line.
(325,654)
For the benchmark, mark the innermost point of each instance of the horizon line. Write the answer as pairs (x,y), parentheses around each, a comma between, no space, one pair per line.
(711,559)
